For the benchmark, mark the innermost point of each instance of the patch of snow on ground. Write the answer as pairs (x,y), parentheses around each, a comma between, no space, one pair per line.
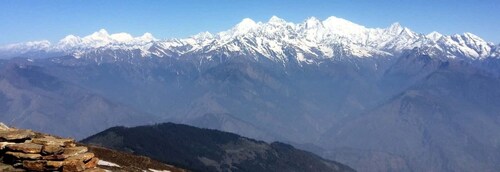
(106,163)
(153,170)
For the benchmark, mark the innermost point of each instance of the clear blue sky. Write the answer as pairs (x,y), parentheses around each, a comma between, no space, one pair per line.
(24,20)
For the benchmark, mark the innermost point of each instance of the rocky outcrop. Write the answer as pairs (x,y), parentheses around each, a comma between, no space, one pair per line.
(25,150)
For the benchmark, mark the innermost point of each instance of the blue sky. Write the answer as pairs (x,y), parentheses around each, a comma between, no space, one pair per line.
(24,20)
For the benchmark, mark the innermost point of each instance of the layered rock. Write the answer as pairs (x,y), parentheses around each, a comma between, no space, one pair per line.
(25,150)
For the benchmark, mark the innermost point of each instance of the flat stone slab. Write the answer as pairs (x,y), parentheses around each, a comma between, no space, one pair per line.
(37,165)
(3,144)
(20,155)
(55,164)
(84,157)
(52,150)
(13,135)
(55,157)
(72,166)
(53,141)
(10,168)
(92,163)
(94,170)
(25,147)
(72,151)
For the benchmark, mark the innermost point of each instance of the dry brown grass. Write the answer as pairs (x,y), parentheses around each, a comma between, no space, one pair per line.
(128,161)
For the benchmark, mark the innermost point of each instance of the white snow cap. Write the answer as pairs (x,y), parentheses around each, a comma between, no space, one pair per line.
(312,38)
(276,19)
(102,38)
(244,26)
(434,36)
(342,25)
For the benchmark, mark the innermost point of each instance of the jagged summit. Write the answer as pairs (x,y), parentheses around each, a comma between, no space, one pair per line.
(434,36)
(102,38)
(311,39)
(342,26)
(244,26)
(276,20)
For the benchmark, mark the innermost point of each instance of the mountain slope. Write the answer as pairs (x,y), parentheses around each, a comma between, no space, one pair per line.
(34,99)
(210,150)
(444,122)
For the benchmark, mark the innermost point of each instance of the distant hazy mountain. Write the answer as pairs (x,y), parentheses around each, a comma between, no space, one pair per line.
(32,98)
(376,99)
(210,150)
(450,116)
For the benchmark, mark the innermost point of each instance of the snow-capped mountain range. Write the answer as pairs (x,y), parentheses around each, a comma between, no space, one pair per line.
(276,39)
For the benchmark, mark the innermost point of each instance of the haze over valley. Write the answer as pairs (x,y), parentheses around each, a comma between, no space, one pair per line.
(359,98)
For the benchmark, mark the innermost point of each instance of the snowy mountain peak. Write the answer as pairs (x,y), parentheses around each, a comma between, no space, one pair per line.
(276,20)
(27,46)
(434,36)
(69,42)
(396,28)
(147,37)
(245,25)
(203,35)
(342,26)
(241,28)
(473,37)
(313,22)
(122,37)
(70,38)
(102,38)
(311,41)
